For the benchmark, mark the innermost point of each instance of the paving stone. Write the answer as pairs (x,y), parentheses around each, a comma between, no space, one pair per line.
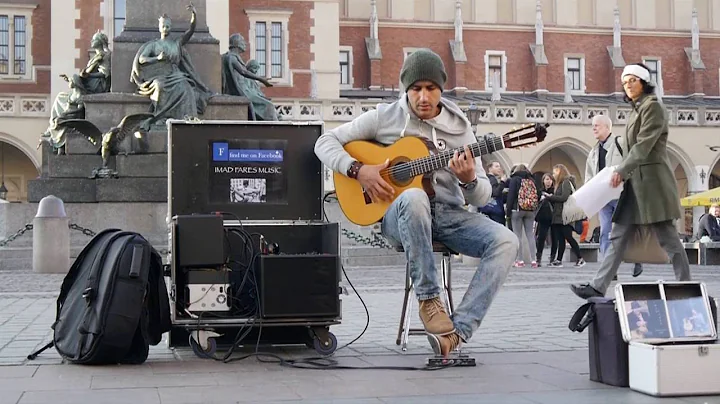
(530,314)
(225,394)
(10,397)
(105,396)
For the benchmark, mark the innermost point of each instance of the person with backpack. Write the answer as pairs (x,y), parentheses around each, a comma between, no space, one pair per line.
(522,201)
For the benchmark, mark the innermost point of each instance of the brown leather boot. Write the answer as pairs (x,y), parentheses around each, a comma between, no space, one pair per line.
(444,344)
(435,318)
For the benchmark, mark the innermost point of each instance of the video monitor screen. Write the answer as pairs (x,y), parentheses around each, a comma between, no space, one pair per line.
(248,171)
(254,170)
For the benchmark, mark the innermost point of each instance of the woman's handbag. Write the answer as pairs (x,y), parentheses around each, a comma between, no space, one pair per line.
(571,211)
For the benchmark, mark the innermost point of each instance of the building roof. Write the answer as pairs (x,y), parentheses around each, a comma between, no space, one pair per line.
(531,98)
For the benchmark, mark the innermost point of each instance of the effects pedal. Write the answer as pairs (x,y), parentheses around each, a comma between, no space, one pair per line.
(456,358)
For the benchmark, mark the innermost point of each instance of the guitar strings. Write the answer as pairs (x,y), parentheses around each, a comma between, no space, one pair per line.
(409,167)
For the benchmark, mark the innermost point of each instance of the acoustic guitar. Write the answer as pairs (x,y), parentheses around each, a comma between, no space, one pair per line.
(412,161)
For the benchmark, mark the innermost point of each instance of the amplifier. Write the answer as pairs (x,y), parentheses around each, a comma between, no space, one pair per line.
(299,285)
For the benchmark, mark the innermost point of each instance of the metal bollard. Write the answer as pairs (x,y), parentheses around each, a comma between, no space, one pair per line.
(51,237)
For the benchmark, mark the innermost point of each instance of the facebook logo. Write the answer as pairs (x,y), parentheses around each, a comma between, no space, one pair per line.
(221,152)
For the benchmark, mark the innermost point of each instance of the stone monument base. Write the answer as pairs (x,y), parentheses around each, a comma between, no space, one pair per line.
(141,165)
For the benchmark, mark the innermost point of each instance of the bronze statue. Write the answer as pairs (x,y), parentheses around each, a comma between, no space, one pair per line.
(239,79)
(163,71)
(93,79)
(109,140)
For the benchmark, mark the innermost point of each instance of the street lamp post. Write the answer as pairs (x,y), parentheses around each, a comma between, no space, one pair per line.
(473,115)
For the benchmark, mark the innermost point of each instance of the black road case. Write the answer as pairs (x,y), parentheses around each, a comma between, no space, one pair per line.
(251,254)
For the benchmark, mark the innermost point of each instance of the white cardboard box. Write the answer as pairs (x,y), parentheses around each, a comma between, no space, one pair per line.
(675,370)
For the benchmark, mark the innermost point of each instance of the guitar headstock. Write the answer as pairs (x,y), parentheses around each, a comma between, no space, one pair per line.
(525,135)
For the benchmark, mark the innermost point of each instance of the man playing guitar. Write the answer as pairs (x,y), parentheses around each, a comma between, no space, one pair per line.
(414,218)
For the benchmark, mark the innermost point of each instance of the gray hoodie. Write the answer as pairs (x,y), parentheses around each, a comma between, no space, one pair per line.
(390,122)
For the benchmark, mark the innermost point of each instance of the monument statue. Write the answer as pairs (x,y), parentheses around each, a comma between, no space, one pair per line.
(163,71)
(109,140)
(93,79)
(239,79)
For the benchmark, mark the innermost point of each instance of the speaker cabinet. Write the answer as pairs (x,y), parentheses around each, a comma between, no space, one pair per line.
(299,285)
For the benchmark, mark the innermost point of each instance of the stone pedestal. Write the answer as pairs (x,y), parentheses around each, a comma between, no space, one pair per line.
(141,164)
(142,25)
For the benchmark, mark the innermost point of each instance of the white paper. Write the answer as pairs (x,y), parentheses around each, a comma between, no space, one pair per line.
(593,195)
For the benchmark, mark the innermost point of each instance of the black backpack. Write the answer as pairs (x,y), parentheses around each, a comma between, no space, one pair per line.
(113,302)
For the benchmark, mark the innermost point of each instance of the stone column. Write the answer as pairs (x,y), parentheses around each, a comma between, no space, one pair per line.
(458,51)
(617,62)
(695,84)
(372,45)
(141,26)
(537,49)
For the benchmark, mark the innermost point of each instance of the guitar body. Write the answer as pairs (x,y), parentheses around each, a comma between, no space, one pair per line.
(354,202)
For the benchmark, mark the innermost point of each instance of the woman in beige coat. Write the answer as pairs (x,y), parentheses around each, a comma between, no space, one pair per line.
(649,196)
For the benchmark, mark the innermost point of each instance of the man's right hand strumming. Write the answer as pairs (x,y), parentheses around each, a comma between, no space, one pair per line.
(375,186)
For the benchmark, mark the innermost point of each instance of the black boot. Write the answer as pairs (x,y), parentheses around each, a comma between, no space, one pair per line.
(585,291)
(637,270)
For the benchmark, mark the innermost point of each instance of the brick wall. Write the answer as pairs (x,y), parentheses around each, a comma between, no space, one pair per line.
(299,55)
(520,69)
(89,22)
(40,44)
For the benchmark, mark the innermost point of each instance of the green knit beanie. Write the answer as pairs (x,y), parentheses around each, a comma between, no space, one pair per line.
(423,64)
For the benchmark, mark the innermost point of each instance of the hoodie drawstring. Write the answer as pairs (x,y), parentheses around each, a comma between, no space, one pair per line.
(432,131)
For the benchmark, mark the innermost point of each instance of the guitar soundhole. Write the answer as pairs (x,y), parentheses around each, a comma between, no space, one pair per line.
(401,174)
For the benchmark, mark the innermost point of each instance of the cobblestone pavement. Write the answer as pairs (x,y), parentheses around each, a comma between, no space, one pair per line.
(524,350)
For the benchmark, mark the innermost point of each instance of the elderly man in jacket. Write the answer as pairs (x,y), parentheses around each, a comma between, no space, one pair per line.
(649,196)
(607,153)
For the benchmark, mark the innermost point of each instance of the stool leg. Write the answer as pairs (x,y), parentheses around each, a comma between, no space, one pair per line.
(406,325)
(448,279)
(405,309)
(444,265)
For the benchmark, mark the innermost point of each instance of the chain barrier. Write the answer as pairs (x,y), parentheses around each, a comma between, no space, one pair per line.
(71,226)
(84,231)
(17,234)
(375,241)
(29,226)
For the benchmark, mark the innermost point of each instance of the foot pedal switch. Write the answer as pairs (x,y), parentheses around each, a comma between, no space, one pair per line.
(456,358)
(452,360)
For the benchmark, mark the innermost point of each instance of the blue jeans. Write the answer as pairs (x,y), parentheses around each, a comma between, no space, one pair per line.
(414,222)
(605,216)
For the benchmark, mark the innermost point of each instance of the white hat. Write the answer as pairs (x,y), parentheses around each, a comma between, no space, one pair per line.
(638,71)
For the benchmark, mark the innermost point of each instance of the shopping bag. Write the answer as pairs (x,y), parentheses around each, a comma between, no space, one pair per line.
(643,247)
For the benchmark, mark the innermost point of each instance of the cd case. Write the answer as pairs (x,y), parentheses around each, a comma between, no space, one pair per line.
(664,312)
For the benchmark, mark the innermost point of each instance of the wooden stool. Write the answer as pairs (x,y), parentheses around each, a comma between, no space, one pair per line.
(404,330)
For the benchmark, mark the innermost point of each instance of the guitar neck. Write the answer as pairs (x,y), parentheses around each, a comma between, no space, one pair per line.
(437,161)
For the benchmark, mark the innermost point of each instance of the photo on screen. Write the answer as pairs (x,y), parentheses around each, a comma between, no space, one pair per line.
(647,319)
(689,317)
(248,190)
(249,171)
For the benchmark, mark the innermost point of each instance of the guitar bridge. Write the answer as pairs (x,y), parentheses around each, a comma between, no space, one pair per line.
(368,201)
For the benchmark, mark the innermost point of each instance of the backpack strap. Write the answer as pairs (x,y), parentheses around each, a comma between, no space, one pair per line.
(579,320)
(617,144)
